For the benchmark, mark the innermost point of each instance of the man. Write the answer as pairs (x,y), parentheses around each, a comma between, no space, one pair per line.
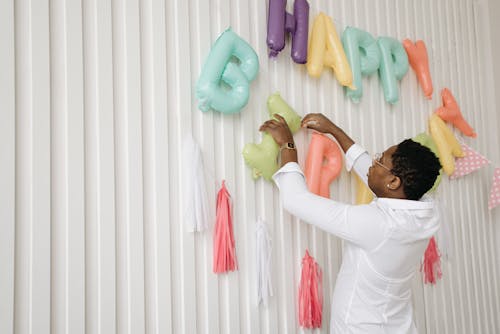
(385,240)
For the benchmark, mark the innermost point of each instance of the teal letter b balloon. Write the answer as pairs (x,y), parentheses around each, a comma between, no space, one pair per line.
(223,84)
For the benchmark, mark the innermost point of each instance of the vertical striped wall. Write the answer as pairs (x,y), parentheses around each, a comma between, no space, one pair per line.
(96,98)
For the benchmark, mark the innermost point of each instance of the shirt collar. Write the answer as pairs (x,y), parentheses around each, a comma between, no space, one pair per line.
(425,203)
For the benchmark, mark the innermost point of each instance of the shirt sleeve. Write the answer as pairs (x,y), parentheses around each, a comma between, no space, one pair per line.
(361,224)
(358,158)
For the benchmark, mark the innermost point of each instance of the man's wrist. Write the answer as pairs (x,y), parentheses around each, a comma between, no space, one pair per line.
(290,145)
(334,130)
(283,142)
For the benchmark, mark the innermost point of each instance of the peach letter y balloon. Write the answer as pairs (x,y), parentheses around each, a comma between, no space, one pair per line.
(419,62)
(450,112)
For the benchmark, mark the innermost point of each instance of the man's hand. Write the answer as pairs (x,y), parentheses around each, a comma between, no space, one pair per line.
(318,122)
(278,129)
(321,123)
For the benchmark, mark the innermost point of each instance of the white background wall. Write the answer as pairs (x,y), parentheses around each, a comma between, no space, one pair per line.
(96,97)
(494,10)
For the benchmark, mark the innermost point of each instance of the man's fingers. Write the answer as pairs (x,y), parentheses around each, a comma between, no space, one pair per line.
(270,125)
(309,122)
(280,118)
(305,119)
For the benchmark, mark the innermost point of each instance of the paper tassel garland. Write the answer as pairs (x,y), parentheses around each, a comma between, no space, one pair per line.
(432,263)
(468,164)
(195,205)
(495,190)
(224,247)
(264,249)
(310,293)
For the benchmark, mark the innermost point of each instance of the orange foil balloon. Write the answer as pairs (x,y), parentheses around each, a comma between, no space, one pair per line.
(450,112)
(323,164)
(419,61)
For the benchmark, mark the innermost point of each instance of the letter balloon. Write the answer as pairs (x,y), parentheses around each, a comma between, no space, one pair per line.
(262,158)
(280,22)
(323,164)
(363,54)
(393,66)
(447,145)
(364,195)
(224,85)
(450,112)
(325,48)
(419,61)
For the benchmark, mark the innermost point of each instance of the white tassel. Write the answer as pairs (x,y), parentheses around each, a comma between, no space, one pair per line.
(195,205)
(264,249)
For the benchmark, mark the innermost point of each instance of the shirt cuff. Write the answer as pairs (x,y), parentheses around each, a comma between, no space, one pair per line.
(352,155)
(290,167)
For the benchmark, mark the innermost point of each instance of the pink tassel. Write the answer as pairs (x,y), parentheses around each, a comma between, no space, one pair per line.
(310,293)
(224,248)
(432,263)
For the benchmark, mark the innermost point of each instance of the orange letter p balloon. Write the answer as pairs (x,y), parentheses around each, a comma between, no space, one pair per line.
(323,164)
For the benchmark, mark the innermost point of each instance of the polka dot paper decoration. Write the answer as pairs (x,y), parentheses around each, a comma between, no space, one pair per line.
(495,190)
(468,164)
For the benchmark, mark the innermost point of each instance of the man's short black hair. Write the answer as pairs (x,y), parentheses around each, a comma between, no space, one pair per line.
(417,167)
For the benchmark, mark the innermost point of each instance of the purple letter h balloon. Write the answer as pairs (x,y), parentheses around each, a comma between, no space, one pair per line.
(279,22)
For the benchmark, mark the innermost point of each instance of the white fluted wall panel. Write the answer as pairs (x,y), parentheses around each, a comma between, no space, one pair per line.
(97,97)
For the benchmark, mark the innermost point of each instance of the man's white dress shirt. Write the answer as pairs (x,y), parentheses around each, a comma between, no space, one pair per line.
(384,243)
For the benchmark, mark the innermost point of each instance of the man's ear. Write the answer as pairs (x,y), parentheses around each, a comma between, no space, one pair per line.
(394,183)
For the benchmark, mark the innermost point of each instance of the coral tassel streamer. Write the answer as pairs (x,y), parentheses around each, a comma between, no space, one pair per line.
(224,246)
(310,293)
(432,263)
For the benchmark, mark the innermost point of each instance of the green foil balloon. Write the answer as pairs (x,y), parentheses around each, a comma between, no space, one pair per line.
(263,157)
(363,53)
(427,141)
(393,66)
(224,84)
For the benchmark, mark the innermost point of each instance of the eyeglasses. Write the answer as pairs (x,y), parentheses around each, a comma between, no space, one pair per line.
(376,159)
